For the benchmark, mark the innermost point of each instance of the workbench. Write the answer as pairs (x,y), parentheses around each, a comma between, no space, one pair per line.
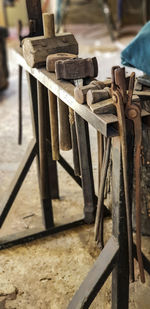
(114,257)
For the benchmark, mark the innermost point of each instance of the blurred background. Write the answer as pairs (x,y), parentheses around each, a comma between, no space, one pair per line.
(102,29)
(80,11)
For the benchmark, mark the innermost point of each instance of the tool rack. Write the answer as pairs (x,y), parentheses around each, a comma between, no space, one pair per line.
(114,257)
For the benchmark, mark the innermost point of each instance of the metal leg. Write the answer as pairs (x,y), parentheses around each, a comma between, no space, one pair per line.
(86,169)
(44,160)
(18,180)
(96,277)
(120,274)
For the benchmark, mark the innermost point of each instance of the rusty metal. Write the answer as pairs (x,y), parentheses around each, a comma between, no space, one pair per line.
(100,204)
(119,99)
(133,112)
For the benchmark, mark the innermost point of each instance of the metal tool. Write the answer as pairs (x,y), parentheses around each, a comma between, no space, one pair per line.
(125,106)
(119,96)
(100,203)
(133,112)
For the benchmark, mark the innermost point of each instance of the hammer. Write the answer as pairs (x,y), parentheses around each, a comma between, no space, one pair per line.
(76,70)
(94,96)
(65,143)
(67,137)
(65,134)
(36,50)
(81,92)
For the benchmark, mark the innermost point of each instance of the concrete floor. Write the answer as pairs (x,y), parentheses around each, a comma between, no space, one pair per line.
(46,273)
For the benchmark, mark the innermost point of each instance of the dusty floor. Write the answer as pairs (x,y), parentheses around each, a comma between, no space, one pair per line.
(46,273)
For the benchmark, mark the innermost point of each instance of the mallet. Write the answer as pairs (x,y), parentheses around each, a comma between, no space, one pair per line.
(36,50)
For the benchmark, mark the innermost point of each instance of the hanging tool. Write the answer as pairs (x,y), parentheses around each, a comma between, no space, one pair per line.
(133,112)
(76,70)
(130,108)
(81,92)
(119,95)
(100,204)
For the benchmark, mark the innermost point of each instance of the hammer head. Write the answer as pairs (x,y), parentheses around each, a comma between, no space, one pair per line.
(36,50)
(76,68)
(51,60)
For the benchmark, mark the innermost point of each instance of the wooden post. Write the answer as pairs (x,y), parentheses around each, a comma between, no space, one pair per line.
(65,134)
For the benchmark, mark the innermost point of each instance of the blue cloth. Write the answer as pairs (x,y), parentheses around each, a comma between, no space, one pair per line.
(137,53)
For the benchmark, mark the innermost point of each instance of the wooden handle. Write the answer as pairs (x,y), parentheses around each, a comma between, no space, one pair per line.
(75,150)
(48,24)
(81,92)
(54,125)
(94,96)
(65,134)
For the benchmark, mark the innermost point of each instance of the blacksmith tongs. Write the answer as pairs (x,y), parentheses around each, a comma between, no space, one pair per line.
(131,109)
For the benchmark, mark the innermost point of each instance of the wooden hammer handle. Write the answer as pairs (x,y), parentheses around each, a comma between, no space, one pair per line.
(75,150)
(54,125)
(65,134)
(49,32)
(48,24)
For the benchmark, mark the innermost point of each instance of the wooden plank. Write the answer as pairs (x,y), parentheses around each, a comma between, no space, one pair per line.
(96,277)
(18,180)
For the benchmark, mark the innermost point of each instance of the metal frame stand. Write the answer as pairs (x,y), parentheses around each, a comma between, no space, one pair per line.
(114,256)
(40,147)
